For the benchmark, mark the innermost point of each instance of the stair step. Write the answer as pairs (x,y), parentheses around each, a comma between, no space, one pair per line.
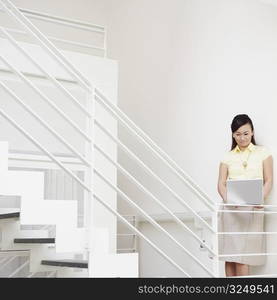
(71,263)
(10,215)
(35,240)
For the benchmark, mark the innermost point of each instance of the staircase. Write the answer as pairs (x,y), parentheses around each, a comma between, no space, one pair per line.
(59,166)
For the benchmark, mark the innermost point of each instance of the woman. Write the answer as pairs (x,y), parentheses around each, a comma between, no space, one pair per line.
(246,160)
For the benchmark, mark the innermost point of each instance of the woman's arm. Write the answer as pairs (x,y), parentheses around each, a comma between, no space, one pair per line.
(222,177)
(268,175)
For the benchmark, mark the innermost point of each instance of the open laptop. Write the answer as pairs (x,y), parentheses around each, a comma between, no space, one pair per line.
(245,191)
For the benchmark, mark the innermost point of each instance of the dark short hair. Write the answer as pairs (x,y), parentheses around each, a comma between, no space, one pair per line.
(238,121)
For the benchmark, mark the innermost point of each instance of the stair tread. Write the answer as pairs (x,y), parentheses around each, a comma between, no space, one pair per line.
(71,263)
(35,240)
(10,215)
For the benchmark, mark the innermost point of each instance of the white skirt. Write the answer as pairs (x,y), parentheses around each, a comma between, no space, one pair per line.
(242,243)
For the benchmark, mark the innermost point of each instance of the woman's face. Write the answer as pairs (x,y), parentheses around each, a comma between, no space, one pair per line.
(243,135)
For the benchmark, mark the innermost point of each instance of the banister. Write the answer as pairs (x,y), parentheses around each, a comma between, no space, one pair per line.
(151,220)
(84,45)
(44,124)
(70,22)
(46,73)
(62,20)
(146,191)
(147,141)
(12,10)
(43,149)
(46,99)
(133,156)
(57,56)
(136,231)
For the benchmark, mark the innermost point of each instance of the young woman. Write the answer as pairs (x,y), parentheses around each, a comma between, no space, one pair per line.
(246,160)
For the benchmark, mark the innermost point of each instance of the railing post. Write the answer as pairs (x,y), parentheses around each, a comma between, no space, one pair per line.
(215,245)
(89,174)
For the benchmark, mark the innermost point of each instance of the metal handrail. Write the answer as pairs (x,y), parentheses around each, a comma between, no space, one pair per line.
(147,141)
(150,219)
(79,155)
(13,11)
(146,191)
(65,21)
(57,19)
(46,99)
(45,160)
(47,153)
(52,38)
(45,125)
(43,149)
(172,214)
(136,231)
(47,74)
(133,156)
(71,23)
(52,50)
(61,139)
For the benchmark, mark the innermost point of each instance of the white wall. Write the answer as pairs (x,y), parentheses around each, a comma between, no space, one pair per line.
(186,69)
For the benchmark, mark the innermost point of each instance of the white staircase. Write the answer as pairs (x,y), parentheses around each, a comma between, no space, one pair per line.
(84,240)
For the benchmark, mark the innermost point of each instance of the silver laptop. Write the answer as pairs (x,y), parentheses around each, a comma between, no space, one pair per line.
(245,191)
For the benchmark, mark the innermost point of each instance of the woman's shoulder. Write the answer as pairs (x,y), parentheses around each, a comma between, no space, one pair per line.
(226,157)
(263,151)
